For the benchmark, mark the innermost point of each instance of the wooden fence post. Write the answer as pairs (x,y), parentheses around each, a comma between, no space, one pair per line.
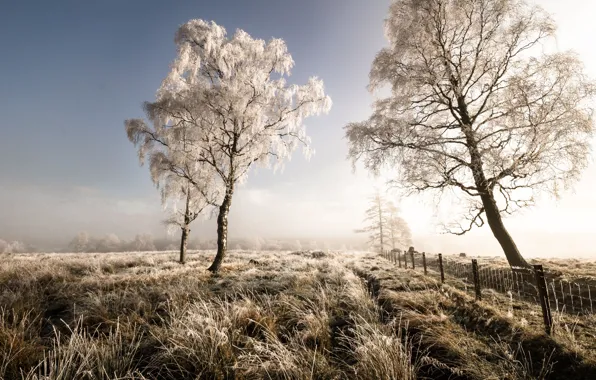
(424,262)
(543,294)
(476,279)
(571,296)
(441,268)
(412,257)
(405,260)
(590,297)
(581,299)
(399,258)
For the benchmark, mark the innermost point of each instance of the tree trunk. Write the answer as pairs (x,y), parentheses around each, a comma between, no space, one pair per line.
(493,215)
(379,208)
(185,229)
(183,244)
(222,231)
(495,222)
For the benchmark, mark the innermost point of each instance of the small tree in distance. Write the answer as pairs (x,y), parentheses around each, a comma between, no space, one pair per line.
(230,95)
(473,109)
(80,243)
(385,228)
(399,231)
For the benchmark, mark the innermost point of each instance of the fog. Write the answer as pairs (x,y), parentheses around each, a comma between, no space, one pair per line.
(66,166)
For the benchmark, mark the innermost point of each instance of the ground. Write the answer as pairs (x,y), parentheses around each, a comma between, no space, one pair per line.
(268,315)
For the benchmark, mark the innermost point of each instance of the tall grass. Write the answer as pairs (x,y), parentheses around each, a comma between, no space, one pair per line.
(83,356)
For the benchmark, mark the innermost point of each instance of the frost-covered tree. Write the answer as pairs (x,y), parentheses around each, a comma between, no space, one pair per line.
(194,204)
(385,228)
(80,243)
(376,223)
(399,231)
(108,243)
(186,186)
(478,107)
(142,242)
(14,247)
(231,94)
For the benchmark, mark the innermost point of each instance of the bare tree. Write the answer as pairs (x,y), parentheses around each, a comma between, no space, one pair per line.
(476,106)
(384,226)
(399,231)
(231,95)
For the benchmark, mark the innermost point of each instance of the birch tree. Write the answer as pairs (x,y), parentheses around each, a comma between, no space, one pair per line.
(185,185)
(477,106)
(231,94)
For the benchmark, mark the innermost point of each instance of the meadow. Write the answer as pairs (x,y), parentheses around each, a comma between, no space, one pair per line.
(269,315)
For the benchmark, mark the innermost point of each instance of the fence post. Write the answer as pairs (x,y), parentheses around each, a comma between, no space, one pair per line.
(405,260)
(441,268)
(571,296)
(424,262)
(412,257)
(476,279)
(399,258)
(590,297)
(543,293)
(581,299)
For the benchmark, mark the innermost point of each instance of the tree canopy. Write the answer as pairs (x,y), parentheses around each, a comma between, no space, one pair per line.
(477,106)
(230,97)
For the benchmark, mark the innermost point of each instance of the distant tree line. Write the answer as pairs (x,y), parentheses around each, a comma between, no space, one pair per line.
(84,242)
(13,247)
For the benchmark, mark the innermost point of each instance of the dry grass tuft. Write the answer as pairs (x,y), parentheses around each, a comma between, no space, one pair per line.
(267,315)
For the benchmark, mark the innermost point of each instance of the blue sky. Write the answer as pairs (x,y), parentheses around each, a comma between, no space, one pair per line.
(72,71)
(76,70)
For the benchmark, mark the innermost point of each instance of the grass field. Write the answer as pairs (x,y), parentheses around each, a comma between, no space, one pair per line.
(268,315)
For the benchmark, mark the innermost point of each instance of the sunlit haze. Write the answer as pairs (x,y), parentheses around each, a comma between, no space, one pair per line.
(73,71)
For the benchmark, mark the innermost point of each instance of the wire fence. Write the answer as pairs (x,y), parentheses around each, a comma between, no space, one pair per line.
(535,285)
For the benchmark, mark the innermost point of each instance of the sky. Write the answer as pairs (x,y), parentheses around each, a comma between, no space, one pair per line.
(71,72)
